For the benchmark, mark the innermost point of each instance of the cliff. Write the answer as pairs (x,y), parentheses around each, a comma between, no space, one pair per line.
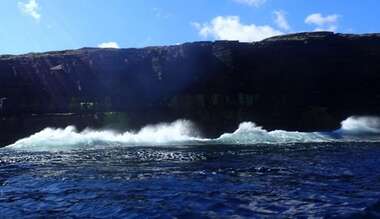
(305,81)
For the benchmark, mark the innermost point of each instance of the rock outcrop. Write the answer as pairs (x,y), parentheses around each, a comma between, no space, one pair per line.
(305,81)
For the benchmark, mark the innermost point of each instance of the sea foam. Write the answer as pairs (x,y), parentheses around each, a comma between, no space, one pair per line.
(183,132)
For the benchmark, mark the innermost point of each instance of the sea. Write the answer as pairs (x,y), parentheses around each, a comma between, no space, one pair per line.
(168,170)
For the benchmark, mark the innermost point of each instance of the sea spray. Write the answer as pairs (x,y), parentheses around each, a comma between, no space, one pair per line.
(361,125)
(250,133)
(183,132)
(51,139)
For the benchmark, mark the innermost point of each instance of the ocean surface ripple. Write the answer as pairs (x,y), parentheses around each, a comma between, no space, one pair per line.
(219,181)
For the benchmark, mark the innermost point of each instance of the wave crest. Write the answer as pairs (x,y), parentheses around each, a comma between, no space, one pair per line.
(361,125)
(250,133)
(69,138)
(183,132)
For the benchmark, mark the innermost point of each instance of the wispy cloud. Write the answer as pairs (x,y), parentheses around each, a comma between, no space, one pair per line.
(113,45)
(280,20)
(160,13)
(255,3)
(230,28)
(30,8)
(322,23)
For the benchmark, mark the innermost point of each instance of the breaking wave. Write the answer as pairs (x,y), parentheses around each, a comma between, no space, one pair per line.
(183,132)
(51,139)
(361,125)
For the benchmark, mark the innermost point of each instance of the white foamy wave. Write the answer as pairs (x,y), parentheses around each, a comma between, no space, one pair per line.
(69,138)
(183,132)
(250,133)
(361,125)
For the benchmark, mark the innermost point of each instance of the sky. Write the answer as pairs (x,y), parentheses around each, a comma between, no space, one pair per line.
(46,25)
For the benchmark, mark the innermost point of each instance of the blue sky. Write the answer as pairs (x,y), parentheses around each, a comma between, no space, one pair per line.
(44,25)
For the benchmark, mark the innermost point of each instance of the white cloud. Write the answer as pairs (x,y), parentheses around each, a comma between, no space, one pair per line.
(113,45)
(323,23)
(30,8)
(255,3)
(319,19)
(280,20)
(230,28)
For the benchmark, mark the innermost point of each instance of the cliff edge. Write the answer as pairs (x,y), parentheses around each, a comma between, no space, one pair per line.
(304,81)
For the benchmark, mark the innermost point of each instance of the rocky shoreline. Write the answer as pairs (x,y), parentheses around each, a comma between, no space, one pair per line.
(305,82)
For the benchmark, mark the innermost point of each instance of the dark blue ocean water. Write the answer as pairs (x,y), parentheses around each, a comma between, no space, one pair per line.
(297,180)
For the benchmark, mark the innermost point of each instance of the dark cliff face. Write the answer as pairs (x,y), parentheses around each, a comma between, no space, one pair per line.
(306,81)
